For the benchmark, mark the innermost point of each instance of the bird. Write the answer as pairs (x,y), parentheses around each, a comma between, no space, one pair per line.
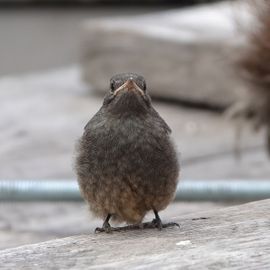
(127,163)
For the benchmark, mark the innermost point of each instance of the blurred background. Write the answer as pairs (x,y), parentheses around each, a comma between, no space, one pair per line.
(56,61)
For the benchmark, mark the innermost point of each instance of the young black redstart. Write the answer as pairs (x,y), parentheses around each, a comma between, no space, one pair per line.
(126,162)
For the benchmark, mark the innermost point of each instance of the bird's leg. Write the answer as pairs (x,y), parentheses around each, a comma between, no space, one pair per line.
(106,227)
(157,223)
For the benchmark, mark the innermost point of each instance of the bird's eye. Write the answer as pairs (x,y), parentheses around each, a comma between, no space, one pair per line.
(144,86)
(112,86)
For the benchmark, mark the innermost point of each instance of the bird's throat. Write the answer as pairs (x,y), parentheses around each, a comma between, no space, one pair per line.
(129,102)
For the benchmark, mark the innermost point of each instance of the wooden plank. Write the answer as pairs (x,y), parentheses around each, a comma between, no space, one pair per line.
(45,221)
(231,238)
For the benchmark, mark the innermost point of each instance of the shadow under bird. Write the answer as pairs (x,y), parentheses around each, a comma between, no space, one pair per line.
(126,163)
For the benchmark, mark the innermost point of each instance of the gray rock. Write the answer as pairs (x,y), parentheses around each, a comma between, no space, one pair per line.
(184,54)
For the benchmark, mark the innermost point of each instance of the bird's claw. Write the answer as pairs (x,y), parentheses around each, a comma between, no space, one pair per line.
(170,224)
(105,228)
(146,225)
(155,223)
(159,225)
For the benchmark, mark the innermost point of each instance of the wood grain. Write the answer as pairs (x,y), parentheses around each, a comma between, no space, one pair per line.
(231,238)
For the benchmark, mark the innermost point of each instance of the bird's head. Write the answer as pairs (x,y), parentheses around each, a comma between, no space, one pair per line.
(127,93)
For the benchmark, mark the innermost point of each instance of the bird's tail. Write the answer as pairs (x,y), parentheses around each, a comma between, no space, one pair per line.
(254,66)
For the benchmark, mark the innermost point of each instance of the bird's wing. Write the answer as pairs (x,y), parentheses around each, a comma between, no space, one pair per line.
(158,118)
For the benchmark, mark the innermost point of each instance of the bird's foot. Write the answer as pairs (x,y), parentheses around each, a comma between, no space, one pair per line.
(170,224)
(119,229)
(157,223)
(105,228)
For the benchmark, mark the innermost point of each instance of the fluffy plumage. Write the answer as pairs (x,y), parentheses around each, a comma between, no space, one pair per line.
(126,162)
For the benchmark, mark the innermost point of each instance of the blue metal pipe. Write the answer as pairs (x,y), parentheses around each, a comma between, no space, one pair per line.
(39,190)
(188,190)
(223,190)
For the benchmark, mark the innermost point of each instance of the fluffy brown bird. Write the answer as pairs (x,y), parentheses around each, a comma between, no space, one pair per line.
(127,164)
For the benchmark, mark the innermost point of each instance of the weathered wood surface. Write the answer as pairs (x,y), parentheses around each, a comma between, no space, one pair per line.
(29,223)
(232,238)
(185,54)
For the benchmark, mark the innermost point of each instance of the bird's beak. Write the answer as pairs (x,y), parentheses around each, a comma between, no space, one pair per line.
(129,85)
